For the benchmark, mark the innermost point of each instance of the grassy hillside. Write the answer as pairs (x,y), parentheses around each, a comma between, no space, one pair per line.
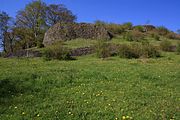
(90,88)
(116,40)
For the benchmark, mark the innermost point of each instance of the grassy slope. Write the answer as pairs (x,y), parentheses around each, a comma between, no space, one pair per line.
(117,40)
(90,88)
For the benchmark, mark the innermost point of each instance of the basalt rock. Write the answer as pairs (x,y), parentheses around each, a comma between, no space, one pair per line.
(70,31)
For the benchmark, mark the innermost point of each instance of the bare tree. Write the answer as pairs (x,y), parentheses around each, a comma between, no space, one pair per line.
(58,13)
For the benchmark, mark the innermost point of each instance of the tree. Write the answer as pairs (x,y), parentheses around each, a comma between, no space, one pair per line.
(58,13)
(38,17)
(4,26)
(33,17)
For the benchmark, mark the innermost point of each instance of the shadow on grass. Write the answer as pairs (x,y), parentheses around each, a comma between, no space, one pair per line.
(8,88)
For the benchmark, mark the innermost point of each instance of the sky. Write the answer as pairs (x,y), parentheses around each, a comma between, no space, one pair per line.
(157,12)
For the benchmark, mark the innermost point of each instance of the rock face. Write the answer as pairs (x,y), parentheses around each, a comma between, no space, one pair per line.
(149,27)
(64,32)
(82,51)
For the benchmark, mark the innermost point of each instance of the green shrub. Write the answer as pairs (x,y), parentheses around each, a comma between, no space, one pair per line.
(127,51)
(178,48)
(171,35)
(134,36)
(102,49)
(166,45)
(115,29)
(162,30)
(139,28)
(150,51)
(138,51)
(155,36)
(57,51)
(3,54)
(127,26)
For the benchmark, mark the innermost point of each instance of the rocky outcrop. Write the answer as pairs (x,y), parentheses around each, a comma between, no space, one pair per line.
(23,53)
(82,51)
(69,31)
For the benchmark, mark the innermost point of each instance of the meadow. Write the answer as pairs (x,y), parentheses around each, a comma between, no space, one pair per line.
(90,88)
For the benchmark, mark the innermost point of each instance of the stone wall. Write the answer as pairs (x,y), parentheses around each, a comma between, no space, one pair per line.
(69,31)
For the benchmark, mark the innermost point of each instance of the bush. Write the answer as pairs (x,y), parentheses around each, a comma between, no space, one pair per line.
(166,45)
(178,48)
(171,35)
(127,26)
(162,30)
(127,51)
(139,28)
(3,54)
(138,50)
(155,36)
(149,51)
(115,29)
(57,51)
(134,36)
(103,49)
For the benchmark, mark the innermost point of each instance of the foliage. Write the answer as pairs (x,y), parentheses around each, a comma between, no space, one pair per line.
(100,23)
(102,49)
(127,26)
(171,35)
(166,45)
(155,36)
(137,50)
(115,29)
(127,51)
(150,51)
(4,27)
(178,48)
(25,37)
(134,36)
(33,18)
(139,28)
(38,17)
(162,30)
(58,13)
(57,51)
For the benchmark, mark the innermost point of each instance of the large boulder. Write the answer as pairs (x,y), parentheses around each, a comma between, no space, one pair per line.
(69,31)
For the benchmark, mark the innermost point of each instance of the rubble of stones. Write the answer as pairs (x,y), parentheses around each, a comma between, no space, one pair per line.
(70,31)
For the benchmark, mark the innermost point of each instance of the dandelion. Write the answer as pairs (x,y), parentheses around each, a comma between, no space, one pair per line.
(15,107)
(116,118)
(38,115)
(123,117)
(23,113)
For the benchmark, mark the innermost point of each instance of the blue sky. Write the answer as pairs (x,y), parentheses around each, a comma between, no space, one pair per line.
(157,12)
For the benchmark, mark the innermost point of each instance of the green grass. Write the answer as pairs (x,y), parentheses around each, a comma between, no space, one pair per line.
(77,43)
(90,88)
